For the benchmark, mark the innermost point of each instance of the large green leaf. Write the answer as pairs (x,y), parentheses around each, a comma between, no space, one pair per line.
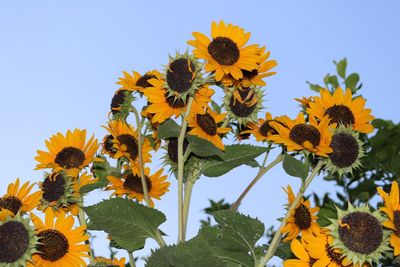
(128,222)
(235,155)
(168,129)
(295,167)
(202,147)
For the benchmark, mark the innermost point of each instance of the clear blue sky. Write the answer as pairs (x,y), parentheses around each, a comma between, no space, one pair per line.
(59,61)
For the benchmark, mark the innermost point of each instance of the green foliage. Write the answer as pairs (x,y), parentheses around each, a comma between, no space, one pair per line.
(352,81)
(235,155)
(295,167)
(214,206)
(128,222)
(100,169)
(202,147)
(341,67)
(168,129)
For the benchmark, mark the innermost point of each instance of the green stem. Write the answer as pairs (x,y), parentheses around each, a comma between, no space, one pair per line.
(263,170)
(131,259)
(277,237)
(82,222)
(181,163)
(186,203)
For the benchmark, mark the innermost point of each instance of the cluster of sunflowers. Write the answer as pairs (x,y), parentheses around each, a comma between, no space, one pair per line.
(325,134)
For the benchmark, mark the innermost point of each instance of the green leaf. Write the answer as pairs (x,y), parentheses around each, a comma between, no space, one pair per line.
(215,106)
(235,155)
(202,147)
(168,129)
(314,87)
(351,81)
(341,68)
(295,167)
(283,251)
(253,163)
(90,187)
(333,80)
(128,222)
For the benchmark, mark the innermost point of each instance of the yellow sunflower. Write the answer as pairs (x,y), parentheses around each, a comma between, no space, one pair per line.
(305,101)
(131,185)
(262,130)
(124,141)
(226,53)
(299,250)
(17,199)
(206,126)
(392,210)
(164,106)
(109,262)
(59,243)
(341,108)
(302,219)
(70,153)
(137,82)
(298,135)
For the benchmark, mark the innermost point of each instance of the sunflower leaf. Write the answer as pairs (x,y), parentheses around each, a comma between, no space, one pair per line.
(341,68)
(351,82)
(295,167)
(202,147)
(128,222)
(235,155)
(168,129)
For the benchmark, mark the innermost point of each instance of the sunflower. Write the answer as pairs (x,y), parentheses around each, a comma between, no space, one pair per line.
(70,153)
(297,135)
(121,103)
(59,244)
(131,185)
(392,210)
(124,141)
(347,151)
(262,129)
(206,126)
(101,261)
(341,108)
(17,241)
(305,102)
(300,251)
(163,105)
(359,234)
(137,82)
(302,218)
(226,53)
(17,199)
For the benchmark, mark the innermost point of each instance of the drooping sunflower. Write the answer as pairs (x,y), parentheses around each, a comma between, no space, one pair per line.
(300,251)
(298,135)
(130,185)
(125,143)
(17,199)
(226,53)
(347,151)
(121,102)
(17,241)
(70,153)
(206,126)
(101,261)
(392,210)
(302,219)
(262,129)
(60,244)
(359,234)
(342,109)
(137,82)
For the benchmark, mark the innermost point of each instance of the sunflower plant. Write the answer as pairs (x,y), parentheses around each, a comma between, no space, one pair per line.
(195,116)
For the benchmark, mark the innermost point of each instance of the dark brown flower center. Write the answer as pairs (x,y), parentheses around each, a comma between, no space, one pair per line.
(14,241)
(396,221)
(144,80)
(70,157)
(301,133)
(180,75)
(134,183)
(109,145)
(250,74)
(340,114)
(207,124)
(10,203)
(311,262)
(117,100)
(302,217)
(53,245)
(130,143)
(334,257)
(224,50)
(266,129)
(174,102)
(241,135)
(345,150)
(242,109)
(53,187)
(173,148)
(361,232)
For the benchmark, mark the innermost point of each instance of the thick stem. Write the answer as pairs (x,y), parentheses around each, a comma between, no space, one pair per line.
(277,237)
(131,259)
(82,222)
(181,163)
(186,203)
(263,170)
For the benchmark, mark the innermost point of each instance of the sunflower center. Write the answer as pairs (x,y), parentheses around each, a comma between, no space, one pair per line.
(53,187)
(241,135)
(144,80)
(302,217)
(108,144)
(180,75)
(361,232)
(311,262)
(173,148)
(301,133)
(250,74)
(53,245)
(224,50)
(117,100)
(207,123)
(242,109)
(340,114)
(10,203)
(175,102)
(345,150)
(14,241)
(130,142)
(334,256)
(70,157)
(134,183)
(396,220)
(266,129)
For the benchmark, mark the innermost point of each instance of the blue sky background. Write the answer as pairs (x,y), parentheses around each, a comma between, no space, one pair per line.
(59,61)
